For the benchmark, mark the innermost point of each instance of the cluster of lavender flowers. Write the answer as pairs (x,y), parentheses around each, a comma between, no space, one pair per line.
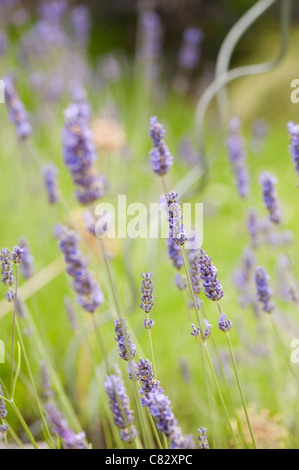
(176,227)
(189,53)
(90,296)
(268,183)
(126,347)
(79,155)
(237,155)
(195,278)
(224,323)
(62,429)
(197,332)
(3,413)
(27,270)
(49,172)
(161,158)
(242,276)
(264,292)
(7,258)
(293,130)
(119,404)
(209,275)
(150,46)
(147,298)
(17,112)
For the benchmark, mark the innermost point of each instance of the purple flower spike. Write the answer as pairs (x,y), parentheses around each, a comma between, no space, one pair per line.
(90,296)
(147,292)
(237,156)
(17,254)
(202,438)
(176,227)
(174,253)
(61,427)
(79,155)
(126,348)
(224,324)
(268,183)
(189,53)
(146,377)
(27,261)
(293,130)
(263,290)
(17,112)
(161,159)
(80,18)
(119,404)
(6,267)
(209,275)
(49,172)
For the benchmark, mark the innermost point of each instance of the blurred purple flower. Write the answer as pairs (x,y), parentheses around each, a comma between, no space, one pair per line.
(263,290)
(61,427)
(268,183)
(17,112)
(209,275)
(237,156)
(161,159)
(49,172)
(189,53)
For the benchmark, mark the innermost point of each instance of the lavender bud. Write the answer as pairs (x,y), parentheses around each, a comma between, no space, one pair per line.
(10,295)
(161,159)
(293,130)
(202,438)
(189,53)
(119,404)
(61,427)
(17,254)
(147,292)
(237,156)
(6,267)
(174,253)
(148,324)
(176,227)
(126,348)
(268,183)
(209,275)
(27,261)
(49,172)
(224,324)
(263,290)
(17,112)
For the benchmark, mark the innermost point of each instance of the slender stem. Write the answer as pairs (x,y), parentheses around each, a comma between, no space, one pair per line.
(191,291)
(13,331)
(33,383)
(165,441)
(101,343)
(21,419)
(152,349)
(240,388)
(220,395)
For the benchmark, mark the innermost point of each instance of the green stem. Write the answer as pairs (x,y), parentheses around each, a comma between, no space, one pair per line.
(220,395)
(21,419)
(240,388)
(13,332)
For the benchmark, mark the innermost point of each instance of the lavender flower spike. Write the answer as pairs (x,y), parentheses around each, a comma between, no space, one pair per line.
(176,227)
(90,296)
(147,299)
(79,155)
(209,275)
(189,53)
(224,324)
(126,348)
(49,172)
(123,416)
(293,130)
(202,438)
(6,267)
(17,112)
(27,261)
(161,159)
(17,254)
(146,377)
(3,413)
(174,253)
(263,290)
(237,156)
(61,427)
(268,183)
